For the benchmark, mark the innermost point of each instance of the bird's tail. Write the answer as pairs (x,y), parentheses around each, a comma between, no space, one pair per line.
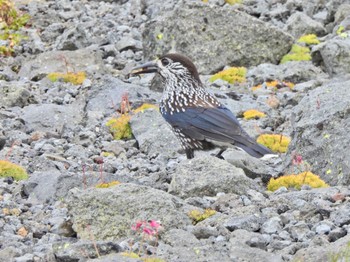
(255,150)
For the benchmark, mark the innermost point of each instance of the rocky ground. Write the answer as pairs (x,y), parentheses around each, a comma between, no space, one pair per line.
(57,131)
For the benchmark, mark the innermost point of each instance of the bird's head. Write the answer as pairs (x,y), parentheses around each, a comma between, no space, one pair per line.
(170,66)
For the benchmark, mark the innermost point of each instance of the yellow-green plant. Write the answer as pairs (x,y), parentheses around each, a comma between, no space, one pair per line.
(107,185)
(341,33)
(8,169)
(275,84)
(10,22)
(297,53)
(310,39)
(198,216)
(342,255)
(120,127)
(253,114)
(232,75)
(296,181)
(277,143)
(69,77)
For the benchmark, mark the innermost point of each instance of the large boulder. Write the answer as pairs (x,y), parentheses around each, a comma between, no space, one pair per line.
(61,61)
(154,135)
(222,36)
(333,55)
(322,131)
(108,213)
(207,176)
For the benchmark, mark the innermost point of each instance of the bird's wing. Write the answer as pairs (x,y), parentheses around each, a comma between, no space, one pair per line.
(214,123)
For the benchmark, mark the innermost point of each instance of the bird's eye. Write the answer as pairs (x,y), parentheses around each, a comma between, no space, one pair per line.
(165,62)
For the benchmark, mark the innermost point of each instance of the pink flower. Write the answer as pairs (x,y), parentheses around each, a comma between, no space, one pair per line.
(148,231)
(137,226)
(154,224)
(297,160)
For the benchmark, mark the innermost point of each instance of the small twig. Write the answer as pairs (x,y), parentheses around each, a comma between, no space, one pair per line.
(92,238)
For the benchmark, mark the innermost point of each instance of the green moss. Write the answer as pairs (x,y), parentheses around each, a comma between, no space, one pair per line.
(198,216)
(120,127)
(233,2)
(296,181)
(10,22)
(277,143)
(253,114)
(342,255)
(310,39)
(107,185)
(297,53)
(69,77)
(8,169)
(341,33)
(232,75)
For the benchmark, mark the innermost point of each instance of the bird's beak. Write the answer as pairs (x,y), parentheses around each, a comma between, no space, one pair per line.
(149,67)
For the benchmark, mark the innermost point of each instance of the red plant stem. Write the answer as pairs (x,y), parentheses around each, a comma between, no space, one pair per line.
(101,173)
(10,150)
(84,177)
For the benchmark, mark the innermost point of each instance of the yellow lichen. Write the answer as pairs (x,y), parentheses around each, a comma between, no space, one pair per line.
(310,39)
(107,185)
(296,181)
(253,114)
(11,21)
(297,53)
(69,77)
(130,254)
(341,33)
(231,75)
(233,2)
(277,143)
(144,107)
(198,216)
(120,127)
(8,169)
(275,84)
(107,154)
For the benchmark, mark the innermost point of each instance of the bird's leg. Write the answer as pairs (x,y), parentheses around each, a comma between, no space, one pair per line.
(189,153)
(218,155)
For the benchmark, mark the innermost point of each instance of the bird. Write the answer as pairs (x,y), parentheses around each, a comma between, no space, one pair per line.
(198,119)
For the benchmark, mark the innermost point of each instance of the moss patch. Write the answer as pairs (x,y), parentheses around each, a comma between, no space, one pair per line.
(8,169)
(277,143)
(296,181)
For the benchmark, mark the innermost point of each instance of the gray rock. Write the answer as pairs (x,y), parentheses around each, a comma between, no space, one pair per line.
(294,71)
(320,136)
(271,226)
(220,38)
(14,94)
(122,206)
(61,61)
(299,232)
(83,250)
(48,186)
(52,118)
(25,258)
(126,43)
(323,227)
(341,216)
(336,234)
(154,135)
(336,251)
(207,176)
(248,222)
(299,24)
(332,55)
(253,167)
